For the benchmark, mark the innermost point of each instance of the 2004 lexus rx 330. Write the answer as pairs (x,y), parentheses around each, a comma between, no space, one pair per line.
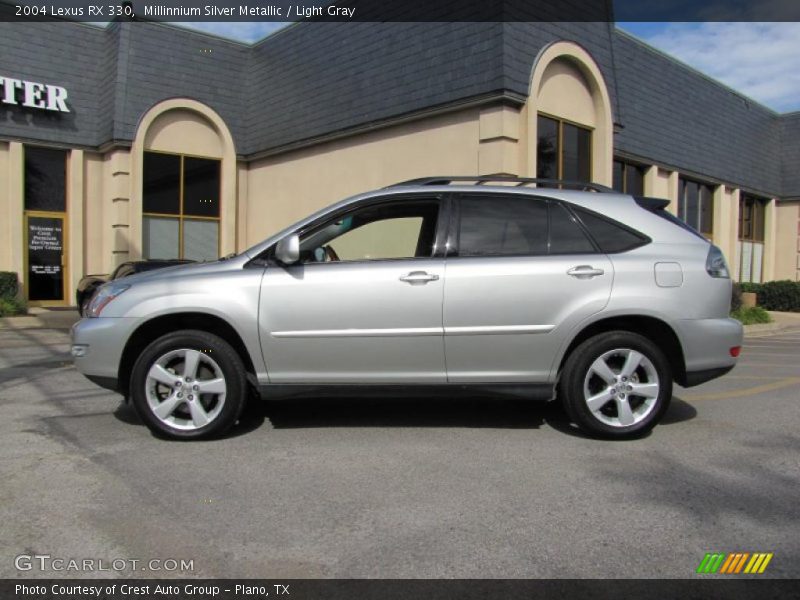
(600,300)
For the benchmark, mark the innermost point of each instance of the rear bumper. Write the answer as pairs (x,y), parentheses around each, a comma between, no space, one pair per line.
(693,378)
(707,347)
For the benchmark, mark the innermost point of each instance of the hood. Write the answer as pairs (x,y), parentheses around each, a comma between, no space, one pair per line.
(187,270)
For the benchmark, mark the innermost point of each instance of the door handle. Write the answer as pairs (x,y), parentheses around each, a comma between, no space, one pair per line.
(584,272)
(416,277)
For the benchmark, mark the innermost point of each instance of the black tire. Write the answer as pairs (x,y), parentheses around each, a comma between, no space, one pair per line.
(579,379)
(216,357)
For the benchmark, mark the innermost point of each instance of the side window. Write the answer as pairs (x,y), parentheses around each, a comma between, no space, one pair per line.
(502,226)
(610,236)
(393,230)
(566,236)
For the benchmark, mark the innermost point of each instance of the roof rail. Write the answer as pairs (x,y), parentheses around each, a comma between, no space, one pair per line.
(520,181)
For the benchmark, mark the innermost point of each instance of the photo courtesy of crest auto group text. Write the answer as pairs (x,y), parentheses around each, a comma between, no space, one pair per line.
(359,299)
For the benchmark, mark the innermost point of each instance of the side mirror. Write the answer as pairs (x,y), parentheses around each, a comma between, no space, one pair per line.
(288,250)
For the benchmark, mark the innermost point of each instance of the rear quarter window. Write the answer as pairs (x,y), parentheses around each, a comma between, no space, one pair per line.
(610,236)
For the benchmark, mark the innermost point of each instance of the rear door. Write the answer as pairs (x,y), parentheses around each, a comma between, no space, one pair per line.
(523,275)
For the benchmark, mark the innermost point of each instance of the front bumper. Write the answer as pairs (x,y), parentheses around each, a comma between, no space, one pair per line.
(707,345)
(97,346)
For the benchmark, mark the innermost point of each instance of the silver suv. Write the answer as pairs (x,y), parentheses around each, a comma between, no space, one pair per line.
(449,284)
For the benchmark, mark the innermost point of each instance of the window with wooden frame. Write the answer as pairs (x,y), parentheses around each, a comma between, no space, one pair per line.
(628,178)
(180,206)
(752,211)
(563,150)
(696,205)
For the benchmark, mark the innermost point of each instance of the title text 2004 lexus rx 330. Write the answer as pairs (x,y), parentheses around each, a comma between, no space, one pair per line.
(600,300)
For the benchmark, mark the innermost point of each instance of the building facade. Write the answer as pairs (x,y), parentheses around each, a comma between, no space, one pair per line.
(143,140)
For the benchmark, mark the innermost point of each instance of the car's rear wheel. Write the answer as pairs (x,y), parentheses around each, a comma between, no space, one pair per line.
(617,384)
(189,385)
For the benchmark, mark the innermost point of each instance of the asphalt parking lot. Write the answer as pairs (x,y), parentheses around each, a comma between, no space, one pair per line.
(399,488)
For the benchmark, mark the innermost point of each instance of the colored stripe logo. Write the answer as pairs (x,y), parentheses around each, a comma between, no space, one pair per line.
(734,563)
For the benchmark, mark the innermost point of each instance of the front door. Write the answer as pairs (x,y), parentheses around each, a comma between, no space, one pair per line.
(45,252)
(363,304)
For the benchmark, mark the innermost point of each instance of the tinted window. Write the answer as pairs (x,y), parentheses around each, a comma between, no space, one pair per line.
(502,226)
(45,179)
(695,205)
(566,236)
(547,148)
(161,191)
(577,153)
(628,178)
(610,236)
(619,176)
(634,180)
(200,187)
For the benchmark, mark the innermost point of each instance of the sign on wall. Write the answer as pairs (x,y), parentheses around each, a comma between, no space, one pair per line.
(33,95)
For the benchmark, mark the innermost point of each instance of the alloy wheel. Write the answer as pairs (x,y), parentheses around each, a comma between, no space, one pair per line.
(185,389)
(621,387)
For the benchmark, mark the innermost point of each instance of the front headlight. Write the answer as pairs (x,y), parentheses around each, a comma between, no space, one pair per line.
(103,296)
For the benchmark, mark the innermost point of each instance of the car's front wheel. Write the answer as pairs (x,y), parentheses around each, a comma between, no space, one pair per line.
(617,384)
(188,385)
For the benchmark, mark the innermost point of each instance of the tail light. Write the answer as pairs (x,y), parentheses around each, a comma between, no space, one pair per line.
(715,263)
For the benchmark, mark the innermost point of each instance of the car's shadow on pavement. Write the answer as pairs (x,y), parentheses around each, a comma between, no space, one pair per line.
(678,412)
(251,419)
(470,412)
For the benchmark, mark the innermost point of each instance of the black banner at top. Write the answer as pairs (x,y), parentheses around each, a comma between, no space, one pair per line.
(400,10)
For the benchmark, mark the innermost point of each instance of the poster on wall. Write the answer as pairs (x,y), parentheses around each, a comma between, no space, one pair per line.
(45,251)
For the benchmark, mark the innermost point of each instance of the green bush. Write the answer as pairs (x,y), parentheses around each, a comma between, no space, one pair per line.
(751,315)
(12,306)
(749,287)
(8,284)
(779,295)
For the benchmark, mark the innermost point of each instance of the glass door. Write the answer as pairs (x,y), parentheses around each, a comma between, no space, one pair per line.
(45,251)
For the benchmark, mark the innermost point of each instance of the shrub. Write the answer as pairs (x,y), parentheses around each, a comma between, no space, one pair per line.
(8,284)
(780,295)
(751,315)
(12,306)
(749,287)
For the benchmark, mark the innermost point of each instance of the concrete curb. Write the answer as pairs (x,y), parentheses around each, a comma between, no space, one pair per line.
(41,319)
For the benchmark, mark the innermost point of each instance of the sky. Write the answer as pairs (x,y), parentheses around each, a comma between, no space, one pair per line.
(760,60)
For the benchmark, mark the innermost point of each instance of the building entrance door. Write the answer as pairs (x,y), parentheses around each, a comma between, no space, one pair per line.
(45,249)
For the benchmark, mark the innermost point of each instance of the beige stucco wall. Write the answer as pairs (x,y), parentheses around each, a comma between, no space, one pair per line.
(11,207)
(564,92)
(661,183)
(499,150)
(96,232)
(770,240)
(5,210)
(183,132)
(726,223)
(787,256)
(285,188)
